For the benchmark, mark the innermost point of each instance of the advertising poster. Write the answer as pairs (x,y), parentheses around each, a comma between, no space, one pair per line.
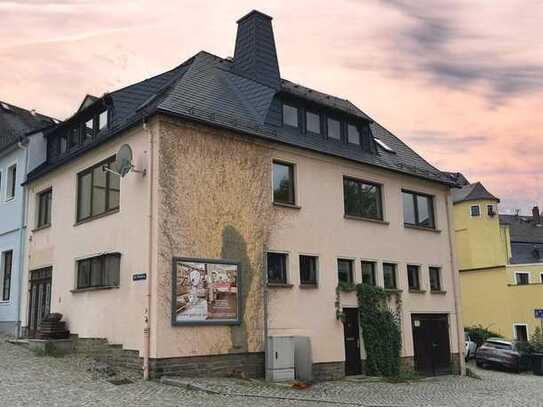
(205,291)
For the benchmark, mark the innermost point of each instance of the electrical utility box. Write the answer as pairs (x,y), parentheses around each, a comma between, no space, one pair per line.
(280,358)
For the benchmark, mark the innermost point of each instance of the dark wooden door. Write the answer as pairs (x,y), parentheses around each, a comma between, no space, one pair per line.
(353,365)
(431,343)
(39,298)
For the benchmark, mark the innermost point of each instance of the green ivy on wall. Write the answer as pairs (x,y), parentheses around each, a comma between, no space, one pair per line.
(380,329)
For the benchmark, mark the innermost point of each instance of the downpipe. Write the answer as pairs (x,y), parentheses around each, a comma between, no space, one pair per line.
(23,145)
(147,314)
(456,288)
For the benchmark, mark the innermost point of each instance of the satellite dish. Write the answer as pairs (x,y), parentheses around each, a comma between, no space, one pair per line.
(123,163)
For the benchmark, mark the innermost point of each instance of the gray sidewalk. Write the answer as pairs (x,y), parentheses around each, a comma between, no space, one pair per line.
(30,380)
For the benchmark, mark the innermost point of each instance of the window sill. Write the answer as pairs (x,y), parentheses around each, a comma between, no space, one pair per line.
(84,290)
(416,291)
(309,286)
(361,218)
(286,205)
(279,285)
(37,229)
(393,290)
(439,292)
(408,226)
(86,220)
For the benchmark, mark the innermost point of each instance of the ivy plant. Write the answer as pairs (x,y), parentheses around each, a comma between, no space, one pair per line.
(381,330)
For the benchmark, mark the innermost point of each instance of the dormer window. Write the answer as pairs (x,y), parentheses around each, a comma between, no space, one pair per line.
(313,123)
(290,115)
(334,129)
(63,143)
(88,130)
(74,137)
(353,135)
(102,120)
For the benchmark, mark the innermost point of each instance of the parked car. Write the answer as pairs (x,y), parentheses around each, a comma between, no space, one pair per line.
(471,347)
(499,352)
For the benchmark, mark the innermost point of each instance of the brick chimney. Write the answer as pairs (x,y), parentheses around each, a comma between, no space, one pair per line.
(536,216)
(255,56)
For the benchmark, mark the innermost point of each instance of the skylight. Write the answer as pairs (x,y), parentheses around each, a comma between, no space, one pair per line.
(384,145)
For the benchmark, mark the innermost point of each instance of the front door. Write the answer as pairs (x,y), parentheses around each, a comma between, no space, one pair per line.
(351,330)
(39,294)
(431,343)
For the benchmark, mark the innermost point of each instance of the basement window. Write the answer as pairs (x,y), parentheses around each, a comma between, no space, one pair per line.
(308,270)
(277,268)
(368,273)
(435,278)
(413,277)
(345,270)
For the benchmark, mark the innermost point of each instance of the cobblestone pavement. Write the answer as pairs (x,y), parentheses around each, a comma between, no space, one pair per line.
(30,380)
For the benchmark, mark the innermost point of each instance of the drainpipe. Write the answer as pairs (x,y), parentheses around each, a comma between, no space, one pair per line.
(23,145)
(456,287)
(265,295)
(147,316)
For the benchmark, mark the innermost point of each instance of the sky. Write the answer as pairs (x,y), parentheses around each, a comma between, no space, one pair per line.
(461,82)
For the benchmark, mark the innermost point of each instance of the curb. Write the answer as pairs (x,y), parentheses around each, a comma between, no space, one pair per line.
(171,381)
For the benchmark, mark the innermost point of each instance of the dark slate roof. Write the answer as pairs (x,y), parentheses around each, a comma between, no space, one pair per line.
(523,253)
(523,229)
(472,192)
(458,178)
(16,122)
(217,92)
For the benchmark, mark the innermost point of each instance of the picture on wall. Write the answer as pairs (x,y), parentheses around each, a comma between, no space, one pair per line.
(205,291)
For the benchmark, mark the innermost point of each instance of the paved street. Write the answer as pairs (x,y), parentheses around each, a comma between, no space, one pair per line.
(29,380)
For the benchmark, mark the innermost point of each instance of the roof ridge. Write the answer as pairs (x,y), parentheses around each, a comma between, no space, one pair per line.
(28,110)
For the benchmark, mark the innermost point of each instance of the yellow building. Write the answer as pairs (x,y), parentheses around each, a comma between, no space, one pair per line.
(500,258)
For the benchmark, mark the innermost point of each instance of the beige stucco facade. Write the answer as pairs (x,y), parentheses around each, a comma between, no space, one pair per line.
(320,228)
(212,198)
(116,314)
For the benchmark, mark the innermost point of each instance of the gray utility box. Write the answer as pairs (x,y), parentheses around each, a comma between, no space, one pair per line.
(303,361)
(280,358)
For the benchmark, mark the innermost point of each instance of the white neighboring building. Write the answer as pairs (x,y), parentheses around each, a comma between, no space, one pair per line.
(22,148)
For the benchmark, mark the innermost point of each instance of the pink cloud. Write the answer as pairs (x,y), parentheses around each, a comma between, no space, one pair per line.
(460,83)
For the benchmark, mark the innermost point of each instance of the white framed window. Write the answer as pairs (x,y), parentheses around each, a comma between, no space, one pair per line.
(277,267)
(475,210)
(102,120)
(11,182)
(6,266)
(522,278)
(541,278)
(520,332)
(491,210)
(309,270)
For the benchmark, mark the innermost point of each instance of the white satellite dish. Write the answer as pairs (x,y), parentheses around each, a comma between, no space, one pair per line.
(123,162)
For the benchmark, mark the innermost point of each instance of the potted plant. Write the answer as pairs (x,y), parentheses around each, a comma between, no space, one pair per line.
(536,345)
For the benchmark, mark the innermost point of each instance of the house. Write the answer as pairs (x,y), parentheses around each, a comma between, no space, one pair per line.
(500,263)
(201,211)
(22,148)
